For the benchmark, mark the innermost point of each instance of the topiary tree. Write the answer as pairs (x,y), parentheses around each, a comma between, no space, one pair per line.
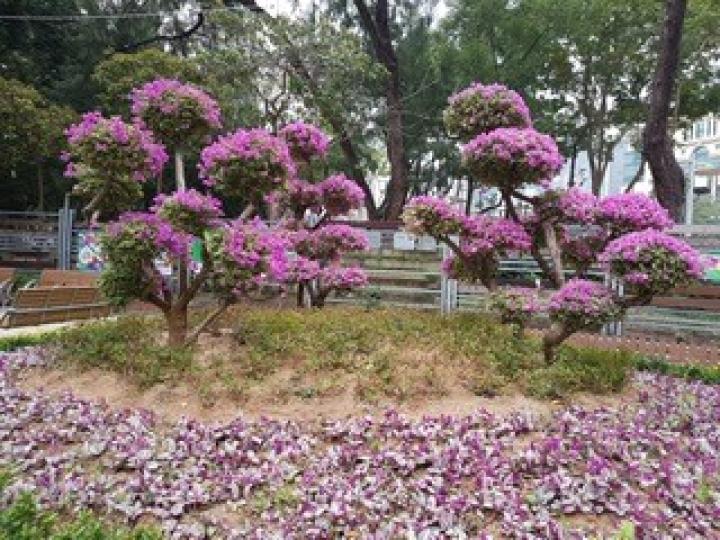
(308,205)
(566,232)
(238,256)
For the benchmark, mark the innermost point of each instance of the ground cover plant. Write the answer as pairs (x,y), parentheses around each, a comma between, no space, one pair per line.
(566,232)
(646,467)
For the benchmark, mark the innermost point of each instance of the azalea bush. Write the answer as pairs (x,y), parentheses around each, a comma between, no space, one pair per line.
(308,206)
(566,232)
(238,256)
(110,158)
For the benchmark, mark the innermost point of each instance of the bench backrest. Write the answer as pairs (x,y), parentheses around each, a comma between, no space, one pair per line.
(703,296)
(41,297)
(67,278)
(6,274)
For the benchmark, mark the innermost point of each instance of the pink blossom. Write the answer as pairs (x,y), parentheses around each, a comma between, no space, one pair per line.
(433,216)
(582,302)
(340,194)
(629,212)
(305,140)
(512,157)
(481,108)
(247,163)
(343,279)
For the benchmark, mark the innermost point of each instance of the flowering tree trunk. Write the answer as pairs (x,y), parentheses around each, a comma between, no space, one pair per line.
(667,175)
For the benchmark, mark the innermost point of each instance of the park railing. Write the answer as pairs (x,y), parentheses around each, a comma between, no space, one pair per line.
(404,270)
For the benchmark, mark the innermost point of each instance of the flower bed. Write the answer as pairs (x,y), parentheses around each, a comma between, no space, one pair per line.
(652,462)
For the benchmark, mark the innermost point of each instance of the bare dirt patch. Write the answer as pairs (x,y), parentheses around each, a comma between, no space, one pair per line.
(171,402)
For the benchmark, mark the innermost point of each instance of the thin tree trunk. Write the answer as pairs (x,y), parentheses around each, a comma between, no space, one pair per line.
(179,171)
(40,187)
(573,160)
(177,324)
(668,177)
(638,174)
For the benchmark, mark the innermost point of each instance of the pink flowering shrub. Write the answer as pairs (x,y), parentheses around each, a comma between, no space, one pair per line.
(343,279)
(578,206)
(181,115)
(482,108)
(188,210)
(340,194)
(432,216)
(486,235)
(330,241)
(109,157)
(246,255)
(301,196)
(630,212)
(509,158)
(515,305)
(558,229)
(306,141)
(301,269)
(652,261)
(249,163)
(581,303)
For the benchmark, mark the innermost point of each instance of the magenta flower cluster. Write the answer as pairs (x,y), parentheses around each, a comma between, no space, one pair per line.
(340,194)
(305,141)
(582,302)
(188,210)
(512,157)
(341,278)
(150,228)
(301,269)
(651,461)
(653,260)
(578,205)
(178,113)
(486,235)
(250,163)
(258,254)
(433,216)
(633,212)
(330,241)
(110,146)
(481,108)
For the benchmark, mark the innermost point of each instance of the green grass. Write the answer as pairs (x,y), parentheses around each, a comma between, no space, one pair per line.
(129,345)
(695,372)
(25,520)
(383,353)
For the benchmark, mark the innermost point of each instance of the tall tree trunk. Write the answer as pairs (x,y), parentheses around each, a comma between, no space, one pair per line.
(668,177)
(573,161)
(378,29)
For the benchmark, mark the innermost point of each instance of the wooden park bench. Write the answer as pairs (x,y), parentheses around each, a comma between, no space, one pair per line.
(704,297)
(67,278)
(43,305)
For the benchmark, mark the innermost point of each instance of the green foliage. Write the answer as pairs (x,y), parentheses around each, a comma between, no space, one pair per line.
(582,370)
(128,345)
(696,372)
(11,343)
(25,520)
(117,75)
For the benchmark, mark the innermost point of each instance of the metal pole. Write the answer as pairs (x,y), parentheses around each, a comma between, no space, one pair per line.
(689,191)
